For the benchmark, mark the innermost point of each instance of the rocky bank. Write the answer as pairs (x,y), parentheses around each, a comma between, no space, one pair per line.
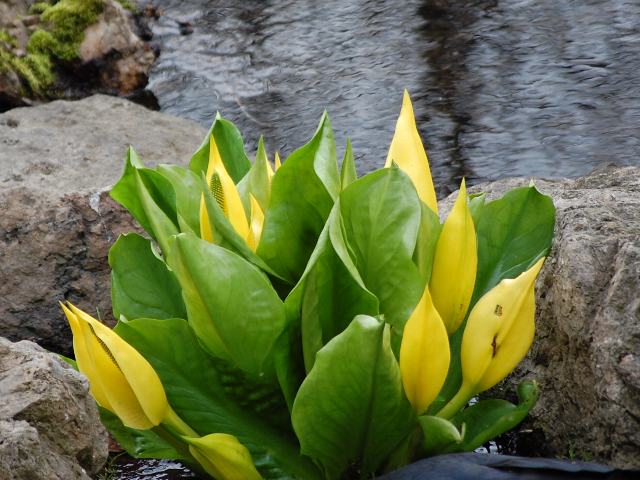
(57,224)
(67,48)
(49,423)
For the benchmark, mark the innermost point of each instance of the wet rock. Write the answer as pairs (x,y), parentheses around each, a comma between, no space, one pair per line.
(112,46)
(49,423)
(57,221)
(586,355)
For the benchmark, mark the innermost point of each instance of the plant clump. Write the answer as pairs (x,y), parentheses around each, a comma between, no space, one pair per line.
(296,321)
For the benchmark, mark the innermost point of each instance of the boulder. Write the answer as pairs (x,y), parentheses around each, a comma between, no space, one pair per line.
(57,221)
(112,47)
(586,355)
(49,424)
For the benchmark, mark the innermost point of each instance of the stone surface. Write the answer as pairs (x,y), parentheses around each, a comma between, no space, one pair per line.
(57,220)
(49,424)
(112,47)
(586,355)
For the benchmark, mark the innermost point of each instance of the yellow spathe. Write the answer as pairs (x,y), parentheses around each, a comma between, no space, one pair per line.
(409,154)
(223,457)
(499,331)
(276,162)
(424,354)
(257,221)
(226,194)
(121,380)
(455,264)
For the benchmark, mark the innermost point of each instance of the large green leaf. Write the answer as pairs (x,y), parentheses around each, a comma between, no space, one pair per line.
(203,399)
(149,197)
(381,216)
(351,408)
(141,284)
(489,418)
(186,186)
(330,294)
(302,194)
(230,145)
(232,307)
(513,233)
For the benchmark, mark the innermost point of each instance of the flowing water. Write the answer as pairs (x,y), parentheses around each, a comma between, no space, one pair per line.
(500,88)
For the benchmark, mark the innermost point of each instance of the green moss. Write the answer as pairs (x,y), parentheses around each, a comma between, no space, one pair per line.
(7,38)
(34,69)
(129,5)
(38,8)
(64,25)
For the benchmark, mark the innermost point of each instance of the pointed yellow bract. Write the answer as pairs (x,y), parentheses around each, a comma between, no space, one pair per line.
(455,264)
(409,154)
(121,380)
(257,221)
(499,331)
(276,162)
(226,194)
(223,457)
(424,354)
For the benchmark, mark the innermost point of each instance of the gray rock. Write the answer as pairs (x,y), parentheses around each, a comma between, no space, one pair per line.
(57,221)
(49,424)
(586,355)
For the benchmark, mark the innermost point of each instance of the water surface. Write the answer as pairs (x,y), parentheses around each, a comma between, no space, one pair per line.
(500,88)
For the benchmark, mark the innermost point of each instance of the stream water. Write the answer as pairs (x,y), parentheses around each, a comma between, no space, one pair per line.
(500,88)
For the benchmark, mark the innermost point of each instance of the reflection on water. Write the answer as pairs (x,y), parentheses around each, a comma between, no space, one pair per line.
(500,88)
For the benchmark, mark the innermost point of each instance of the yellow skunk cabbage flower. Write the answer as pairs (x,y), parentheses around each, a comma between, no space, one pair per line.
(424,354)
(276,162)
(500,330)
(228,198)
(121,380)
(497,336)
(223,457)
(455,264)
(225,193)
(408,153)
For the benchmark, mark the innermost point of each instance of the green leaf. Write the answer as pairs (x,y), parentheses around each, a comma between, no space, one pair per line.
(351,407)
(330,294)
(141,284)
(256,182)
(302,194)
(186,186)
(348,173)
(381,215)
(438,435)
(230,145)
(138,443)
(428,235)
(149,197)
(202,398)
(489,418)
(513,233)
(232,307)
